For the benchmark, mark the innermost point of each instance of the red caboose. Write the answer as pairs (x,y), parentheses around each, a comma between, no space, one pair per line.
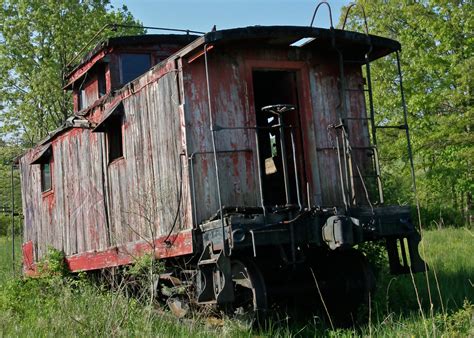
(249,153)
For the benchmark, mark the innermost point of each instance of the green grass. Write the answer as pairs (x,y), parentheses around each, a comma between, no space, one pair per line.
(57,306)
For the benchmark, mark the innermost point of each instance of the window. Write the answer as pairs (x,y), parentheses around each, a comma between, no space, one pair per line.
(114,138)
(101,80)
(81,99)
(133,65)
(46,181)
(45,159)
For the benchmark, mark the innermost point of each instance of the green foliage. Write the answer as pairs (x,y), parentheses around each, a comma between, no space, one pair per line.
(54,264)
(8,152)
(55,305)
(437,62)
(145,265)
(38,39)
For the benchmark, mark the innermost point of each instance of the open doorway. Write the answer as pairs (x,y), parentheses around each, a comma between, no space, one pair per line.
(278,87)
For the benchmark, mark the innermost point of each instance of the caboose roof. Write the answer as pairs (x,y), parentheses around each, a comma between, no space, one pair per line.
(353,44)
(126,41)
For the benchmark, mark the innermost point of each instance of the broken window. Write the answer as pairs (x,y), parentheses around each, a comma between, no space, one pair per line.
(111,125)
(133,65)
(45,159)
(101,81)
(114,137)
(46,179)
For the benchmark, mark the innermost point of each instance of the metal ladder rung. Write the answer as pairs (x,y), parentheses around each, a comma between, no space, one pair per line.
(401,126)
(356,90)
(357,118)
(353,148)
(355,61)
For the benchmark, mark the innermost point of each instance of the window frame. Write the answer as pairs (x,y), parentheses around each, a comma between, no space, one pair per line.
(114,136)
(121,55)
(48,163)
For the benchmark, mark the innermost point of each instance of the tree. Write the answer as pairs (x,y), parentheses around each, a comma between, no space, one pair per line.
(38,39)
(437,63)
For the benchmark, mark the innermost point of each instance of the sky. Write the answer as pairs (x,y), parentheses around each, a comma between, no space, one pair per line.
(202,15)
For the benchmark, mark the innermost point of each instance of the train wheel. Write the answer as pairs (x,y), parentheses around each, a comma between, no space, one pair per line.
(250,293)
(351,285)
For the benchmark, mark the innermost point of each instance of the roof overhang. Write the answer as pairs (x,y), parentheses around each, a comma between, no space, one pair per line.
(285,36)
(115,111)
(43,155)
(106,46)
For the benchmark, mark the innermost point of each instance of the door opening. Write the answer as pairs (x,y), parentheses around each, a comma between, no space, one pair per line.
(279,180)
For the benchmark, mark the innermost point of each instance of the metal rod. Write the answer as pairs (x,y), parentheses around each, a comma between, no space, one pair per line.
(308,193)
(363,13)
(371,103)
(340,173)
(187,31)
(284,158)
(216,166)
(193,187)
(316,10)
(405,119)
(346,172)
(293,148)
(259,168)
(252,234)
(401,127)
(13,216)
(378,174)
(114,26)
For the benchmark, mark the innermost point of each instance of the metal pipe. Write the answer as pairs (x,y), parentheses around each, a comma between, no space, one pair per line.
(371,102)
(308,193)
(296,170)
(346,174)
(13,216)
(350,167)
(253,243)
(363,13)
(405,120)
(114,26)
(340,173)
(377,172)
(216,166)
(284,159)
(316,10)
(193,187)
(259,168)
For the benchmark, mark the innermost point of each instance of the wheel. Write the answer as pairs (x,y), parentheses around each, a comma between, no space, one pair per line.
(349,284)
(250,293)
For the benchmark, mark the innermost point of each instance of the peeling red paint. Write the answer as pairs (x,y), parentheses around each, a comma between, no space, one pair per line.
(181,244)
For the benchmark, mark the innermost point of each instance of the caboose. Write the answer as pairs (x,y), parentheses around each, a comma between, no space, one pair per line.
(245,159)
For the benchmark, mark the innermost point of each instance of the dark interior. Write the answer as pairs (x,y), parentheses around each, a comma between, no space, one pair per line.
(273,87)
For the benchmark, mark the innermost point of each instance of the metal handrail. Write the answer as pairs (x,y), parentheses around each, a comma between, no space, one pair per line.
(363,13)
(316,11)
(113,27)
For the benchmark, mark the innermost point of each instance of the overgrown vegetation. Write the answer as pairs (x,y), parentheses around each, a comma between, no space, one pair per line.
(437,61)
(61,304)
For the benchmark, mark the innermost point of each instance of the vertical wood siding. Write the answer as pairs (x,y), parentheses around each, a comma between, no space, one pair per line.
(147,193)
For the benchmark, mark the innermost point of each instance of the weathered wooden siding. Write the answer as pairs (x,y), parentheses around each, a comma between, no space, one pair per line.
(143,195)
(327,110)
(233,106)
(146,186)
(96,205)
(235,147)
